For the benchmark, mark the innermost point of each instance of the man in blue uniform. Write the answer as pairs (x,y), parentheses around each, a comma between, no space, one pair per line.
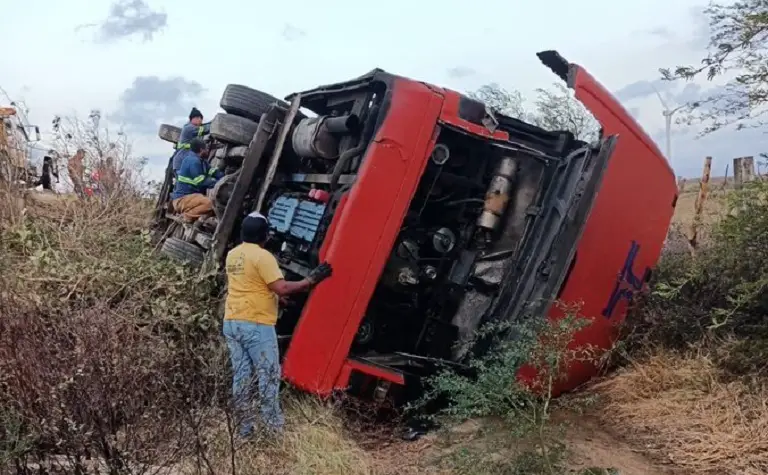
(191,130)
(194,177)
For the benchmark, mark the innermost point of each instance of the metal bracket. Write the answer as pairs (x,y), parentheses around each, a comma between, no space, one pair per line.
(285,127)
(251,162)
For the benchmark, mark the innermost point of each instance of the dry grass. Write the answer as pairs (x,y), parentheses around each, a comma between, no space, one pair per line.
(714,207)
(683,412)
(315,441)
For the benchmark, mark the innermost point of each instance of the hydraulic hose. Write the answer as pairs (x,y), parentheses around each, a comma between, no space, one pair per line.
(348,155)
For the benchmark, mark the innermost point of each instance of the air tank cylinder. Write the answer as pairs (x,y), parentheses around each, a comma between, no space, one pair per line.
(497,196)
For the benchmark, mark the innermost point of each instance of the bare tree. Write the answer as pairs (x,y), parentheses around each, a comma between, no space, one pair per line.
(553,109)
(109,154)
(558,109)
(509,103)
(738,47)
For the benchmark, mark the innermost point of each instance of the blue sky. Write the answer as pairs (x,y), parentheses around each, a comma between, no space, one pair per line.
(144,62)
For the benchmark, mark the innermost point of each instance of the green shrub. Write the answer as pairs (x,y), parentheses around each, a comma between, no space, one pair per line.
(518,407)
(721,292)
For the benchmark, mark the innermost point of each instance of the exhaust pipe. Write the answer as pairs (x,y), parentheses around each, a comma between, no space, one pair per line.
(345,124)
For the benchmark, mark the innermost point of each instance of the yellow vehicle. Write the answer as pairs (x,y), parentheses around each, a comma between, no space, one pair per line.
(14,140)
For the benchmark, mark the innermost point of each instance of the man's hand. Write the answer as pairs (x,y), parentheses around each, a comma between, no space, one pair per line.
(320,273)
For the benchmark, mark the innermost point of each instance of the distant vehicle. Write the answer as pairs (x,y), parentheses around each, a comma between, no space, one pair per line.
(437,215)
(14,139)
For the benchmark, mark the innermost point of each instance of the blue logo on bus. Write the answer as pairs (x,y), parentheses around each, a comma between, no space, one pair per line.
(627,283)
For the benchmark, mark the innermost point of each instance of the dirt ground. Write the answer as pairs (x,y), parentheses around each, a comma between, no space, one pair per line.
(590,444)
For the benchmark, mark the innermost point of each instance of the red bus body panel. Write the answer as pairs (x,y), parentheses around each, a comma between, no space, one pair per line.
(361,237)
(625,231)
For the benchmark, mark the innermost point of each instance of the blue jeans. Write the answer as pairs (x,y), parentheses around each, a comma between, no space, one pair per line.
(255,358)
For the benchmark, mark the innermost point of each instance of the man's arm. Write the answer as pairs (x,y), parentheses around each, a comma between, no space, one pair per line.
(190,131)
(283,288)
(269,270)
(208,183)
(214,174)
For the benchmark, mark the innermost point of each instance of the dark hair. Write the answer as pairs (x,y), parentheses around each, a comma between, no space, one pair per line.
(46,158)
(195,113)
(196,145)
(254,229)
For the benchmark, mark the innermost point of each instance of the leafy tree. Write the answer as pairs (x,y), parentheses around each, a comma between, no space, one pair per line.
(738,50)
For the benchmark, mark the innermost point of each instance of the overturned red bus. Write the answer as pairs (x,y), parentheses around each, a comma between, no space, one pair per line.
(438,215)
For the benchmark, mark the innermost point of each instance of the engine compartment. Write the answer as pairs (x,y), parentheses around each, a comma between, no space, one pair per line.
(467,220)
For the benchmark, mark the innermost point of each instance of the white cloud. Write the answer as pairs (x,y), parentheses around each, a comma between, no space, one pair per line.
(127,19)
(151,100)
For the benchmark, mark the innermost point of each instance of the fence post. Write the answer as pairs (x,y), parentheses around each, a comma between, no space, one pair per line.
(725,178)
(743,170)
(699,206)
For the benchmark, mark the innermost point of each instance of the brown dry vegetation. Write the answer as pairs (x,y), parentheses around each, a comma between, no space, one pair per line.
(316,441)
(714,206)
(111,359)
(683,412)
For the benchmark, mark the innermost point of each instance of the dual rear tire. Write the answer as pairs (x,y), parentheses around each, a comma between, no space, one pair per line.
(243,106)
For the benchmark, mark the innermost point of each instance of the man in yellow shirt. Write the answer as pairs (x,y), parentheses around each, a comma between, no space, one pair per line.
(255,284)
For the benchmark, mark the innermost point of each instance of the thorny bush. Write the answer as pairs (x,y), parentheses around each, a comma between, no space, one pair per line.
(720,294)
(109,359)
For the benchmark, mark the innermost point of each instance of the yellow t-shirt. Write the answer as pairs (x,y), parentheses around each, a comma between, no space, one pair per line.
(250,269)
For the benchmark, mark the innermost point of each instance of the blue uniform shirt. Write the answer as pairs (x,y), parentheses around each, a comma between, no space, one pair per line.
(188,132)
(195,175)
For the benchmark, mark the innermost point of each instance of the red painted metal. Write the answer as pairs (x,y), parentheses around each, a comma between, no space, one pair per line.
(450,116)
(320,195)
(370,218)
(635,203)
(371,370)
